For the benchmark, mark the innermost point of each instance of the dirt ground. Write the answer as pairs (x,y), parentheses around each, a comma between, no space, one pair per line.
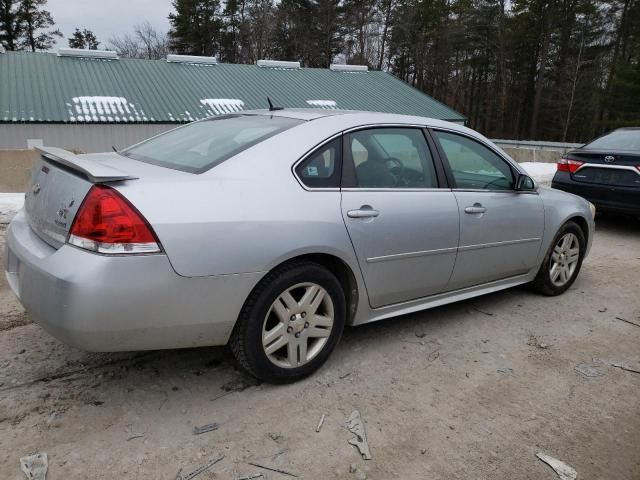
(467,391)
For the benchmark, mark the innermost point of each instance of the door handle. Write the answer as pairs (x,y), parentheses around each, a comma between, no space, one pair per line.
(476,208)
(365,211)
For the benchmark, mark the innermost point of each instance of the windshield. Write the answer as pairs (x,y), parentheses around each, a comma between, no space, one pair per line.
(199,146)
(618,140)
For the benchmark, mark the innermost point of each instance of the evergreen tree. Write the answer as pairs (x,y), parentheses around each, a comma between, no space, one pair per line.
(10,24)
(36,25)
(196,27)
(83,39)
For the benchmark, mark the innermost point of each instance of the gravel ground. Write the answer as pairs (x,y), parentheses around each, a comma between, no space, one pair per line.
(470,390)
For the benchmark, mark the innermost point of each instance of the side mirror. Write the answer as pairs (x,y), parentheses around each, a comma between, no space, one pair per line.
(524,183)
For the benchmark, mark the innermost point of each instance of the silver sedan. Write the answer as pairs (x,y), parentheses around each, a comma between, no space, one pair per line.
(272,230)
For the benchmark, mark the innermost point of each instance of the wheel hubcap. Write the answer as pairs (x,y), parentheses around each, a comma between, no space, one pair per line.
(564,259)
(298,325)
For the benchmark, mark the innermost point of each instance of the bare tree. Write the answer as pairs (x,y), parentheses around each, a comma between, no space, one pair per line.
(145,42)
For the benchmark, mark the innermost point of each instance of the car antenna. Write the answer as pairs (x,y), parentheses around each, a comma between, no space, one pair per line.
(271,107)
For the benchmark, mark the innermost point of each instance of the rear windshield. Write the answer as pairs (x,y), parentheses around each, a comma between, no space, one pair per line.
(199,146)
(618,140)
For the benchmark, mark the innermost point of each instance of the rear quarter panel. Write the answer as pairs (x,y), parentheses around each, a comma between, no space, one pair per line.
(247,214)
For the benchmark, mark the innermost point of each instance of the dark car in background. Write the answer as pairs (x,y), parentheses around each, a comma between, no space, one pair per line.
(605,171)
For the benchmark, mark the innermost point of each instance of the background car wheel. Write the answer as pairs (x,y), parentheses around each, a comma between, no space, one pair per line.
(562,263)
(290,323)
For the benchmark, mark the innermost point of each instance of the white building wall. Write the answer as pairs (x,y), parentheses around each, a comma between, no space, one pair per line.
(81,138)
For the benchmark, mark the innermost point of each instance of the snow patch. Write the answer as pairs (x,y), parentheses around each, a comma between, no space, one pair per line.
(541,172)
(221,106)
(326,104)
(100,109)
(10,203)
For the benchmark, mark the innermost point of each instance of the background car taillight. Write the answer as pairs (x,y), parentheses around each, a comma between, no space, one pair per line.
(107,223)
(568,165)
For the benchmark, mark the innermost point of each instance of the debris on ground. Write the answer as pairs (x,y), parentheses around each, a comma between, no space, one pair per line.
(320,423)
(588,370)
(272,469)
(252,477)
(564,471)
(433,355)
(35,466)
(505,371)
(628,321)
(355,426)
(199,470)
(135,435)
(421,334)
(534,342)
(344,375)
(603,309)
(489,314)
(276,437)
(240,383)
(209,427)
(626,367)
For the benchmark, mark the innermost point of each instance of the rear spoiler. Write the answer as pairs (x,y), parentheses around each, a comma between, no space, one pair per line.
(95,171)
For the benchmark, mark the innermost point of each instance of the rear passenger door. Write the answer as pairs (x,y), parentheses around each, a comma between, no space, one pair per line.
(403,224)
(500,228)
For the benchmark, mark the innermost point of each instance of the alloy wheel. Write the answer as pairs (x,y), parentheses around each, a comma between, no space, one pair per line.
(564,259)
(298,325)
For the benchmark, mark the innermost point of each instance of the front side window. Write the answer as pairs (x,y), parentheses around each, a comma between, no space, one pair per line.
(474,166)
(202,145)
(391,158)
(321,169)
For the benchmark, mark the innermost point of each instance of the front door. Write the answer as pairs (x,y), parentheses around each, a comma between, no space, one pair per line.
(403,227)
(500,229)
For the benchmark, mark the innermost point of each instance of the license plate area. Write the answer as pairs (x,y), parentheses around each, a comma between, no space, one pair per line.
(608,176)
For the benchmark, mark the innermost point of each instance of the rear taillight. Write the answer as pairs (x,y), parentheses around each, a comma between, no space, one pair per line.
(568,165)
(107,223)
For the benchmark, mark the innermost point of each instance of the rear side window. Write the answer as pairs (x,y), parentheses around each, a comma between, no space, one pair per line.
(202,145)
(322,169)
(617,140)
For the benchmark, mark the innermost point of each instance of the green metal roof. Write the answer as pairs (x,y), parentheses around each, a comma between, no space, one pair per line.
(43,87)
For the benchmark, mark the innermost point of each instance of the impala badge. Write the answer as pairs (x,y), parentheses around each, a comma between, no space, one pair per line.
(36,189)
(62,214)
(609,159)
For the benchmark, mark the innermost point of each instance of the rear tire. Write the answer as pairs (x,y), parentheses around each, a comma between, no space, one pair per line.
(562,262)
(290,323)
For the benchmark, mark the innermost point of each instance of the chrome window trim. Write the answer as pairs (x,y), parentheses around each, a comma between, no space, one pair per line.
(482,190)
(404,189)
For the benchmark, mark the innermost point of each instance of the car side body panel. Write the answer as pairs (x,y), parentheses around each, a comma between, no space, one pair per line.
(221,232)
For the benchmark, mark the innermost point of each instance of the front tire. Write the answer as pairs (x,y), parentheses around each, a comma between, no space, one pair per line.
(563,261)
(290,323)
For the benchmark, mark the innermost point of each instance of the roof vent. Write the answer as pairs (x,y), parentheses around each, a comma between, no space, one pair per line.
(82,53)
(279,64)
(348,68)
(192,59)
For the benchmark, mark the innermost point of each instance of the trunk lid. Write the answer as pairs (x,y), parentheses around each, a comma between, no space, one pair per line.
(59,183)
(606,167)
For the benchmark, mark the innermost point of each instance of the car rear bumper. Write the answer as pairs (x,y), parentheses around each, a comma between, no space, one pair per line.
(115,303)
(604,197)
